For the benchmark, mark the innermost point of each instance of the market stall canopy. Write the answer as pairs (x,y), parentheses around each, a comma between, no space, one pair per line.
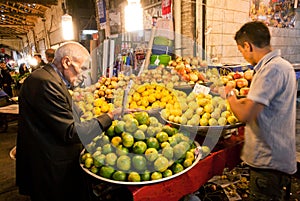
(18,17)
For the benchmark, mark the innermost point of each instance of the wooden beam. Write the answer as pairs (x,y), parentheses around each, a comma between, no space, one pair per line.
(42,2)
(23,14)
(16,25)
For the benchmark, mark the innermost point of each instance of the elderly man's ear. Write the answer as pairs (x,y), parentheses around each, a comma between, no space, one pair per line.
(66,62)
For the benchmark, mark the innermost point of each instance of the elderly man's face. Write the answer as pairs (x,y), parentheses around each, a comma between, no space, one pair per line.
(75,71)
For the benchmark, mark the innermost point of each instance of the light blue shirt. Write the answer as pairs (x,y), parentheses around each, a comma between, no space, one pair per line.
(270,141)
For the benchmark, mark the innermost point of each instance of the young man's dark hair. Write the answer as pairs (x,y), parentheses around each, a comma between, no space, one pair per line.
(255,32)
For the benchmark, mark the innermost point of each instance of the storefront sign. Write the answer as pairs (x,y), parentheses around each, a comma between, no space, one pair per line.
(102,13)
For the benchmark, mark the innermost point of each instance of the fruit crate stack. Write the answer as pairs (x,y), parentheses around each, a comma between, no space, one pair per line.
(162,51)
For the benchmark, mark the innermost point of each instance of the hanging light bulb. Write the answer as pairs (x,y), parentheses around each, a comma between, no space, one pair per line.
(67,27)
(133,16)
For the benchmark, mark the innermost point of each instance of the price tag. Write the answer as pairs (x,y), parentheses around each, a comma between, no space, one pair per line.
(198,88)
(156,62)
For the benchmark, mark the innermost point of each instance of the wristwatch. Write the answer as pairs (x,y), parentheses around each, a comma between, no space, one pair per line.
(230,93)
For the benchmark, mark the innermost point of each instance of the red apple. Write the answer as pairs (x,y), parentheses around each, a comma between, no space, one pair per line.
(242,82)
(244,91)
(237,75)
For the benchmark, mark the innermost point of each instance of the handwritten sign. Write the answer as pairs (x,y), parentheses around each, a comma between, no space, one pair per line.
(198,88)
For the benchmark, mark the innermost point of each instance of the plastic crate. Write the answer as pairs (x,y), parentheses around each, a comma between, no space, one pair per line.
(162,49)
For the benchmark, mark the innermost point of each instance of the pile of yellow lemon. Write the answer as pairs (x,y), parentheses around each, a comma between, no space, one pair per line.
(152,96)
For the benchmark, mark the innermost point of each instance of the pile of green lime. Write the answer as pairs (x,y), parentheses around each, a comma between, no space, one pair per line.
(139,148)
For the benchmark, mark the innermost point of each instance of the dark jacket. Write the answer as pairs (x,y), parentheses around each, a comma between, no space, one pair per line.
(48,145)
(6,81)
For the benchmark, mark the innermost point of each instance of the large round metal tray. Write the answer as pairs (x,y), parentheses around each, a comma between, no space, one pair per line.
(142,182)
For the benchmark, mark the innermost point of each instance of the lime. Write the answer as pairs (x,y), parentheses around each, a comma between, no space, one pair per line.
(134,177)
(152,142)
(88,162)
(107,149)
(165,144)
(131,125)
(168,152)
(119,176)
(121,150)
(111,159)
(169,130)
(176,168)
(151,131)
(139,162)
(143,128)
(156,175)
(162,136)
(161,164)
(103,140)
(94,169)
(106,171)
(119,127)
(142,118)
(139,135)
(99,160)
(139,147)
(110,132)
(146,175)
(187,162)
(167,173)
(151,154)
(124,163)
(127,140)
(205,150)
(172,141)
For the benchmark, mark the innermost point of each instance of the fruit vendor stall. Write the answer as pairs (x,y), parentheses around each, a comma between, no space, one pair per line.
(180,134)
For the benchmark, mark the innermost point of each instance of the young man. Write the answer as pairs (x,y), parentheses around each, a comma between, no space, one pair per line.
(50,133)
(269,112)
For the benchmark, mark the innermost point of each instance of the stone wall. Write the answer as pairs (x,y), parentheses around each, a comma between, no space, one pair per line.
(225,17)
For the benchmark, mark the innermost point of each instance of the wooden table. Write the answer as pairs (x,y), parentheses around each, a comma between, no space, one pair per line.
(5,111)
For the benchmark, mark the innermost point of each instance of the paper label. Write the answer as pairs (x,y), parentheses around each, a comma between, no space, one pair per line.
(198,88)
(156,62)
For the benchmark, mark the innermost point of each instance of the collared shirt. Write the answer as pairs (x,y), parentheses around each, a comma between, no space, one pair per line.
(270,139)
(61,75)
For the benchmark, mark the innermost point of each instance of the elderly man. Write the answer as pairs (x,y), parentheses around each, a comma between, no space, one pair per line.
(50,134)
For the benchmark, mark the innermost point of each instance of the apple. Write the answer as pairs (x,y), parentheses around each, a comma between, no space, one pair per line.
(193,77)
(241,82)
(248,74)
(237,75)
(244,91)
(231,83)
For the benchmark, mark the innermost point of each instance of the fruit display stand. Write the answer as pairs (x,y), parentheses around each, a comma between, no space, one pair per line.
(227,156)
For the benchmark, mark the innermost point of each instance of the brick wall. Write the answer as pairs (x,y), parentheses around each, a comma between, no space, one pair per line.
(187,26)
(226,16)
